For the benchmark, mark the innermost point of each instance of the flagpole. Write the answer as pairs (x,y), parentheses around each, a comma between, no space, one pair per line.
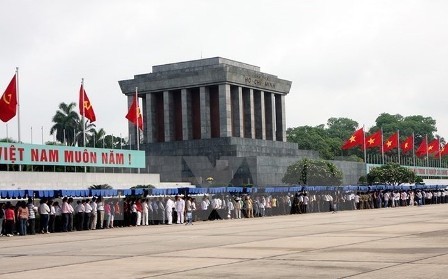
(18,104)
(364,144)
(83,113)
(413,148)
(83,119)
(440,156)
(427,151)
(398,146)
(382,144)
(31,134)
(18,110)
(42,129)
(137,114)
(7,140)
(121,147)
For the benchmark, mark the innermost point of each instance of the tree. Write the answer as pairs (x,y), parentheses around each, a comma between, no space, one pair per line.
(341,128)
(96,138)
(66,121)
(391,174)
(89,128)
(101,187)
(313,173)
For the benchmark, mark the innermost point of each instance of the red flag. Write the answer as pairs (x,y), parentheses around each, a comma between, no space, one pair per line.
(85,107)
(374,140)
(391,142)
(421,150)
(433,146)
(135,115)
(442,152)
(408,144)
(8,102)
(356,139)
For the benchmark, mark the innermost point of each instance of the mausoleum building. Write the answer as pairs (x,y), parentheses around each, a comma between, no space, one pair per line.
(215,118)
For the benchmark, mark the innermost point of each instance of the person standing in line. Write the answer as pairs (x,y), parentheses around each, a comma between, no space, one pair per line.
(161,211)
(2,218)
(118,216)
(32,210)
(237,205)
(10,219)
(58,217)
(145,211)
(169,210)
(100,211)
(107,214)
(204,208)
(70,217)
(189,212)
(52,216)
(79,215)
(22,215)
(180,208)
(306,201)
(44,211)
(65,214)
(139,208)
(94,214)
(156,212)
(112,215)
(87,214)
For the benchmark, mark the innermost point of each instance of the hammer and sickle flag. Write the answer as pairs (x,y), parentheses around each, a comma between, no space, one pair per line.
(8,102)
(135,115)
(85,107)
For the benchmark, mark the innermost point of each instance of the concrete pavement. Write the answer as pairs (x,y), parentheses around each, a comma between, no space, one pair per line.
(409,242)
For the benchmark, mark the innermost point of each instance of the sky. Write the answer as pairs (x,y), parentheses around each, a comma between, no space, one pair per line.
(354,59)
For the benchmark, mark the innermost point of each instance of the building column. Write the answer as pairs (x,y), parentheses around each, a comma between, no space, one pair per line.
(186,131)
(252,113)
(225,117)
(204,96)
(168,115)
(132,128)
(280,117)
(237,111)
(272,121)
(260,116)
(148,118)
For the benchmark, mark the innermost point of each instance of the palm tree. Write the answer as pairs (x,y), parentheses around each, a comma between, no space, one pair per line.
(89,129)
(100,187)
(95,138)
(66,120)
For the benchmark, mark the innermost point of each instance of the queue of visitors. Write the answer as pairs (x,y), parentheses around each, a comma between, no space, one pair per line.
(69,214)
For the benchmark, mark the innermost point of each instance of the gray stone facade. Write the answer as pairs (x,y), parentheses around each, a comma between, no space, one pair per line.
(215,118)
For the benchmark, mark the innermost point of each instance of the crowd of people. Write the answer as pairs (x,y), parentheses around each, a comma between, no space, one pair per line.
(69,214)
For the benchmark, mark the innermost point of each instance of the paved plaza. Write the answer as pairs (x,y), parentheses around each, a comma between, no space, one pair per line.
(410,242)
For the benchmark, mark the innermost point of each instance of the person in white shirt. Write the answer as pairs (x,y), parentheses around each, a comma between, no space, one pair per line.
(189,208)
(87,214)
(100,212)
(204,208)
(79,215)
(93,214)
(161,210)
(169,210)
(180,208)
(52,217)
(44,211)
(306,200)
(145,216)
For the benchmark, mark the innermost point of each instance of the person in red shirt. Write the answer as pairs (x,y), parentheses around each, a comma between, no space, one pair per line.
(10,219)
